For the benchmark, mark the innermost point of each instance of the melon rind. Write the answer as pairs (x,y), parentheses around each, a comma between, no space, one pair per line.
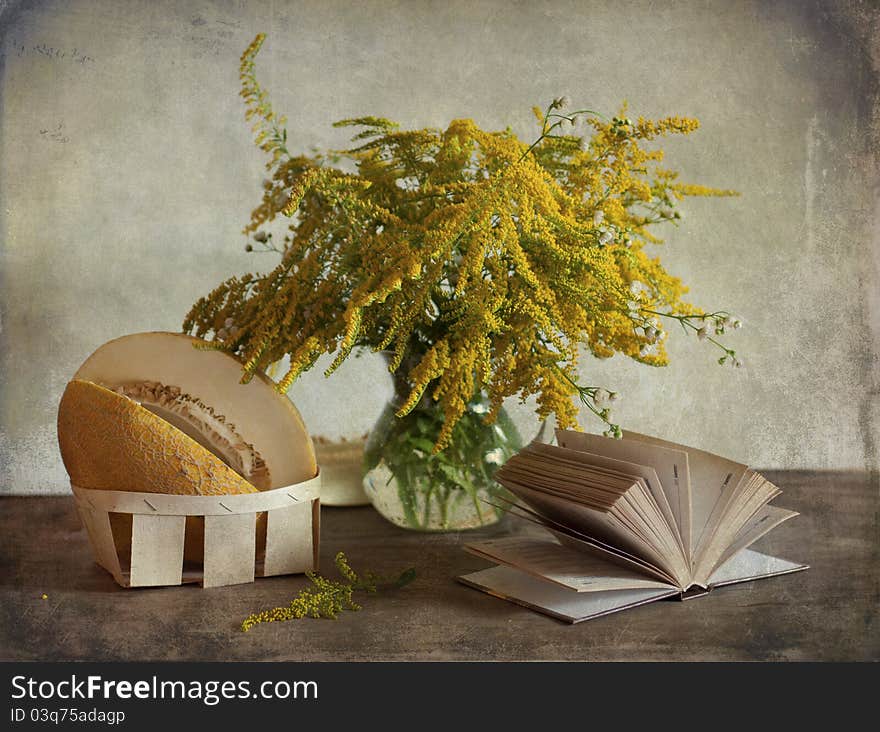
(109,442)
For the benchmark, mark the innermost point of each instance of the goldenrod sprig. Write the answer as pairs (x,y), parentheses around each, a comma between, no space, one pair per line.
(328,597)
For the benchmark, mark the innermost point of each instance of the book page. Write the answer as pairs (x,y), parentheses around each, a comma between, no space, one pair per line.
(558,602)
(671,466)
(748,565)
(637,508)
(600,525)
(581,542)
(714,481)
(641,501)
(649,479)
(757,493)
(547,559)
(767,518)
(581,476)
(565,477)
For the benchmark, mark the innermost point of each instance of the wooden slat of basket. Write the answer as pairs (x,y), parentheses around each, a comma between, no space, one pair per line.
(230,546)
(98,528)
(157,550)
(165,504)
(290,537)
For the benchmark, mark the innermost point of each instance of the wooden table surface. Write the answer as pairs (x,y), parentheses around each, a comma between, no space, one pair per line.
(826,613)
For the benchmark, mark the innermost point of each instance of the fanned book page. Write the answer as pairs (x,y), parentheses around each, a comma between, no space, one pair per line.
(629,521)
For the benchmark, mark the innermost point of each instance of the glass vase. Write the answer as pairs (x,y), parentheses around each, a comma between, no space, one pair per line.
(449,491)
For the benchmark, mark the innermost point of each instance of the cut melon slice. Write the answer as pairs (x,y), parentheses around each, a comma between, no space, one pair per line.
(175,413)
(110,442)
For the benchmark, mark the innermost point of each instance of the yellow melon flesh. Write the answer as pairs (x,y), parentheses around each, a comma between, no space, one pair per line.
(110,442)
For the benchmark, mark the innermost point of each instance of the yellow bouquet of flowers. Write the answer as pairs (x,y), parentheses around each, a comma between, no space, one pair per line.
(480,264)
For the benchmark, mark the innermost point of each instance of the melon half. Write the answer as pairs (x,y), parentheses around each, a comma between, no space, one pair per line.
(152,413)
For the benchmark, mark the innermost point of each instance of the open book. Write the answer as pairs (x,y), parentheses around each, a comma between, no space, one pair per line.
(630,521)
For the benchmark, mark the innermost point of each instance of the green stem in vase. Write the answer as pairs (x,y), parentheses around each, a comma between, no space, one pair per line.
(433,489)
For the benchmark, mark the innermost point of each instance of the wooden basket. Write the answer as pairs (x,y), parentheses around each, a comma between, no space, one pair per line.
(139,538)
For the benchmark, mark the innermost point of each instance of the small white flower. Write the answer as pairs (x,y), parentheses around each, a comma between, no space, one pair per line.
(737,323)
(261,236)
(605,238)
(636,287)
(479,408)
(600,397)
(563,102)
(598,217)
(703,333)
(737,364)
(228,323)
(222,334)
(646,350)
(613,396)
(495,457)
(652,334)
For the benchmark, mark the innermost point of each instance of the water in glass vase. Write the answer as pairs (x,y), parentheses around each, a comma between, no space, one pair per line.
(449,491)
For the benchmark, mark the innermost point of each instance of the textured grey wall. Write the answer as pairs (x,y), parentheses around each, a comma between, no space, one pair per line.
(127,173)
